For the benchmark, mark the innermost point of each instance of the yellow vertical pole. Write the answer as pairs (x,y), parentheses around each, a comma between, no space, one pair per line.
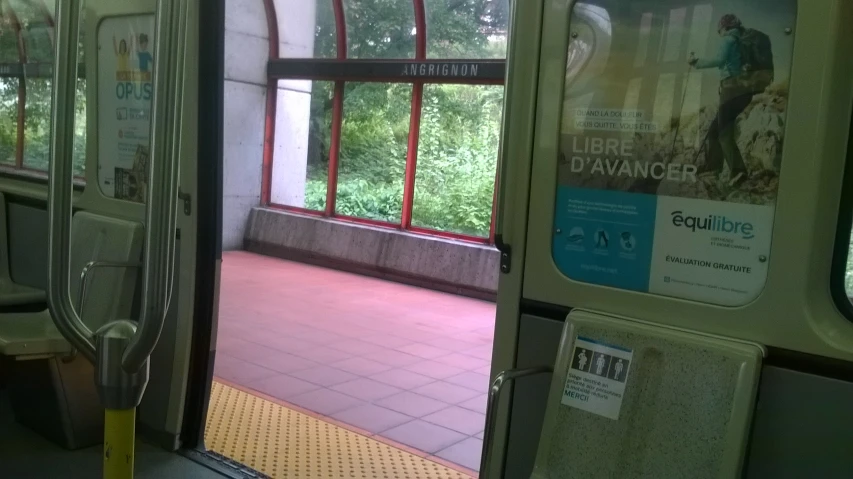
(119,437)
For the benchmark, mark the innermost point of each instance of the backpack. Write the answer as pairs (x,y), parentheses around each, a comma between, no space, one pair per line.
(756,54)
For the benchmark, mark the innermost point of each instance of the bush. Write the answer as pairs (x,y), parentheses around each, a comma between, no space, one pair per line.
(457,155)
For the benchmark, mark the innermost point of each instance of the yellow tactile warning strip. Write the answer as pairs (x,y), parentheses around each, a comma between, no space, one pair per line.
(284,443)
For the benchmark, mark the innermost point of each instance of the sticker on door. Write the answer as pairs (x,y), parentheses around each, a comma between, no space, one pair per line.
(597,377)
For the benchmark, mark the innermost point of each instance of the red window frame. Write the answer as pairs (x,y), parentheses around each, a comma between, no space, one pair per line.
(409,185)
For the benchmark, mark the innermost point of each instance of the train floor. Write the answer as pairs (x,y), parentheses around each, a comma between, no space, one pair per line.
(404,366)
(25,454)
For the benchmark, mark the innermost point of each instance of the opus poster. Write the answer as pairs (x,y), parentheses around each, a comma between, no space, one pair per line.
(125,92)
(671,145)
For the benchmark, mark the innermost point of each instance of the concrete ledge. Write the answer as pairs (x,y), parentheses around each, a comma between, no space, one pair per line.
(435,263)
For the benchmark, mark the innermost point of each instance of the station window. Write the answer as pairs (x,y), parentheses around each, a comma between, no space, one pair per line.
(380,29)
(301,168)
(466,29)
(403,123)
(457,158)
(374,137)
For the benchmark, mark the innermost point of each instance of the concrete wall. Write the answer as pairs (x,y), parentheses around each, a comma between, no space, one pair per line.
(246,55)
(435,263)
(296,21)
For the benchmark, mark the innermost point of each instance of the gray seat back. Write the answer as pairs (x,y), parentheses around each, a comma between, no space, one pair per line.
(110,291)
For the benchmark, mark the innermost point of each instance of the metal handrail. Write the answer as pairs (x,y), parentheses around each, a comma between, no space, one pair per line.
(498,384)
(67,321)
(162,195)
(179,89)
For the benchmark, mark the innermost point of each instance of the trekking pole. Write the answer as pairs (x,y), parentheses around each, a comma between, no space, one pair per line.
(703,147)
(681,107)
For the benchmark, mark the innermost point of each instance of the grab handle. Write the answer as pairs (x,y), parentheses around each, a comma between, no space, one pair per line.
(60,188)
(501,380)
(162,196)
(161,193)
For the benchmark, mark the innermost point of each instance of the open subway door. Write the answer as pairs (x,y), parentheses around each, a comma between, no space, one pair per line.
(668,226)
(107,236)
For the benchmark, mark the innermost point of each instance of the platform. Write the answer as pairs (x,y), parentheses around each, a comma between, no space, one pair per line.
(402,364)
(282,443)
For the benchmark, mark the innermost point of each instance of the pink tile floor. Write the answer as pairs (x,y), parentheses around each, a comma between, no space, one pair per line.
(403,363)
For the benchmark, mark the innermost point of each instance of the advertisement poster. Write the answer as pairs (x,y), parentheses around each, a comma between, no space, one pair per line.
(671,144)
(125,89)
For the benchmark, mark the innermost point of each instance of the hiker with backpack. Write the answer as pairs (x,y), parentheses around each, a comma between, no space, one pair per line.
(745,61)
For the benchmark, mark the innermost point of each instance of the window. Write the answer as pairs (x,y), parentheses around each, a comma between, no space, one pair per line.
(403,123)
(457,158)
(848,275)
(326,37)
(37,124)
(301,166)
(466,29)
(26,57)
(374,138)
(305,29)
(380,28)
(8,124)
(36,23)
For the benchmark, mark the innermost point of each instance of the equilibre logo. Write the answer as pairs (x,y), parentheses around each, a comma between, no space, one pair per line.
(714,223)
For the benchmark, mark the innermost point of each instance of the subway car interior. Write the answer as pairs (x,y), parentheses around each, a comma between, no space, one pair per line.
(426,239)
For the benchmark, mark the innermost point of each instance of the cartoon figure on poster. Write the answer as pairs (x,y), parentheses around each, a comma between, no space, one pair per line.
(122,56)
(674,116)
(138,46)
(144,56)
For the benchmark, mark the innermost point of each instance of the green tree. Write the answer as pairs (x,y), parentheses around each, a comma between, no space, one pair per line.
(36,33)
(460,123)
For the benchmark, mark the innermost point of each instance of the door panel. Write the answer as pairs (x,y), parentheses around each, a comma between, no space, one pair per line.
(800,321)
(27,190)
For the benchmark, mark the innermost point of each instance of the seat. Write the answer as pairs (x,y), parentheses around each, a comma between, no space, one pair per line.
(50,391)
(95,240)
(632,399)
(12,294)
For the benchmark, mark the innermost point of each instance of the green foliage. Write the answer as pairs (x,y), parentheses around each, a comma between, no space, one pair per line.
(36,35)
(457,154)
(457,158)
(466,29)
